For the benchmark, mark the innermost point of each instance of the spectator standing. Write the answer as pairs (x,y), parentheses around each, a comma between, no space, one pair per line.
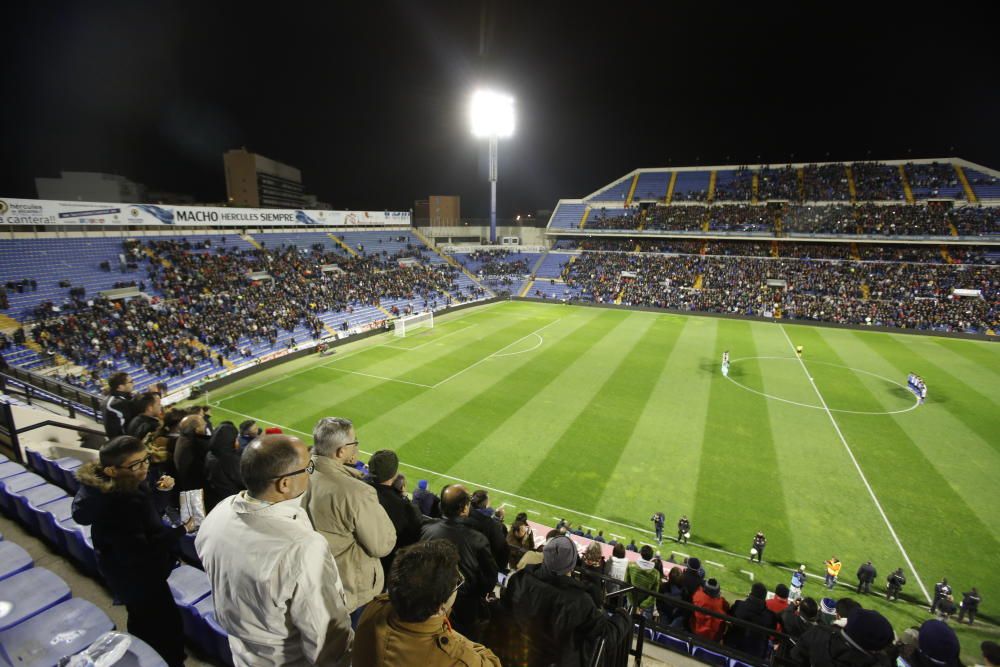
(709,596)
(346,511)
(970,605)
(483,518)
(118,409)
(147,419)
(409,625)
(222,465)
(797,618)
(475,558)
(520,539)
(779,602)
(428,503)
(135,550)
(991,654)
(866,576)
(190,452)
(859,643)
(753,610)
(405,517)
(276,585)
(832,572)
(643,575)
(631,546)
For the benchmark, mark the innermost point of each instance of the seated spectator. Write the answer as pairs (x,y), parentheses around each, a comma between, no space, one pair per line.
(135,550)
(551,618)
(405,518)
(709,596)
(426,501)
(671,588)
(222,465)
(409,625)
(860,643)
(753,610)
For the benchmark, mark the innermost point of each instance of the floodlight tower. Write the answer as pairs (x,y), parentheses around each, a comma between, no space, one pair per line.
(492,117)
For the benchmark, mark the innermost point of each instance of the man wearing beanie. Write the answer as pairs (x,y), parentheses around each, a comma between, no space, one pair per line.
(937,646)
(859,644)
(709,597)
(425,500)
(405,518)
(554,618)
(753,610)
(991,654)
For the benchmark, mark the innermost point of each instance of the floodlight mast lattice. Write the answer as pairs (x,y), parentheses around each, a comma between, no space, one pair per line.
(492,117)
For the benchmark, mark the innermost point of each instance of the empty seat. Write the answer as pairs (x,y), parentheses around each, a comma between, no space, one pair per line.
(673,643)
(736,662)
(50,515)
(9,469)
(27,502)
(55,469)
(221,638)
(35,461)
(16,484)
(80,546)
(54,634)
(13,559)
(196,627)
(140,654)
(188,585)
(705,655)
(29,593)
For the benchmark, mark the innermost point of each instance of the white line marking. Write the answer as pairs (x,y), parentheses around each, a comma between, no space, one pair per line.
(506,505)
(487,358)
(532,511)
(378,377)
(749,574)
(857,466)
(620,537)
(712,562)
(530,349)
(433,340)
(680,553)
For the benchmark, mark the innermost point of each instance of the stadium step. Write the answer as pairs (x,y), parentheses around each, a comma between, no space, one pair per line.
(865,291)
(252,241)
(538,264)
(32,345)
(583,220)
(631,190)
(450,260)
(954,230)
(755,188)
(946,256)
(643,220)
(907,190)
(704,248)
(778,228)
(528,284)
(855,255)
(153,258)
(351,251)
(8,323)
(969,193)
(712,178)
(800,176)
(618,299)
(774,249)
(670,188)
(705,220)
(850,183)
(194,342)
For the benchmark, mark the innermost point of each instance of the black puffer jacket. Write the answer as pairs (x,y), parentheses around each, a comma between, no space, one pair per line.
(222,466)
(826,646)
(134,548)
(752,610)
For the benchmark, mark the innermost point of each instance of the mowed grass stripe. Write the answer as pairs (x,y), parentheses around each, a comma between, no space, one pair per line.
(980,354)
(736,496)
(576,467)
(661,445)
(469,409)
(902,477)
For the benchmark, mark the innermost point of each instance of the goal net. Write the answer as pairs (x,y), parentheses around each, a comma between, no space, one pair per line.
(421,320)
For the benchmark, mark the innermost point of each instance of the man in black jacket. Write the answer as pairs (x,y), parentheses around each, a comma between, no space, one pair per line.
(405,517)
(861,643)
(483,518)
(970,605)
(118,409)
(148,418)
(135,550)
(866,575)
(753,610)
(894,584)
(475,560)
(222,466)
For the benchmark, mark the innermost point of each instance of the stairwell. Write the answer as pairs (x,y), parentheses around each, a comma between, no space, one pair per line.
(336,239)
(969,192)
(712,178)
(631,190)
(946,256)
(671,186)
(855,253)
(850,183)
(755,188)
(252,241)
(907,190)
(583,219)
(800,176)
(774,249)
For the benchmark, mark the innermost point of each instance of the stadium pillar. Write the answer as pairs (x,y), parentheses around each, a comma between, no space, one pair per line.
(493,187)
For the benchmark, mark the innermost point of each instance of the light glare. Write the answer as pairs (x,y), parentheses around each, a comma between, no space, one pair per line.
(491,114)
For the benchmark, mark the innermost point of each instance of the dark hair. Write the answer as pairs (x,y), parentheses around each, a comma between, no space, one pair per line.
(480,499)
(246,426)
(173,419)
(618,551)
(846,606)
(267,458)
(808,609)
(646,552)
(400,482)
(118,449)
(145,400)
(422,578)
(453,506)
(781,591)
(116,380)
(758,590)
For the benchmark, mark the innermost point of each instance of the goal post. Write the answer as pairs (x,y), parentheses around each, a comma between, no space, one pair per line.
(419,321)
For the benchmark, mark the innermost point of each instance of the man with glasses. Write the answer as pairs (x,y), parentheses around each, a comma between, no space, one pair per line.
(409,625)
(345,510)
(276,585)
(135,550)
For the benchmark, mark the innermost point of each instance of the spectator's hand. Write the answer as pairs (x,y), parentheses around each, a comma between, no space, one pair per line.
(190,525)
(165,483)
(499,514)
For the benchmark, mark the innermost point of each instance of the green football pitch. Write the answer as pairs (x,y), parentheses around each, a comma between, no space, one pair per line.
(604,416)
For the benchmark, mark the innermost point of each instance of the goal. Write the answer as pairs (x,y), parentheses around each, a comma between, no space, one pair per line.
(420,320)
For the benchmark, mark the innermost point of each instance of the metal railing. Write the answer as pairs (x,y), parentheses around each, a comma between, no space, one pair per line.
(39,388)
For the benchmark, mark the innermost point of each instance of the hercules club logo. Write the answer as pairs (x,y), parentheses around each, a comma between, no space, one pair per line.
(3,207)
(134,213)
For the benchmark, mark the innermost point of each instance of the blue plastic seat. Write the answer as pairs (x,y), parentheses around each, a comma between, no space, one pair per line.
(221,638)
(3,458)
(13,559)
(673,643)
(56,467)
(15,484)
(140,654)
(30,593)
(702,654)
(188,585)
(80,546)
(68,474)
(27,502)
(9,469)
(188,553)
(50,515)
(736,662)
(52,635)
(36,461)
(196,627)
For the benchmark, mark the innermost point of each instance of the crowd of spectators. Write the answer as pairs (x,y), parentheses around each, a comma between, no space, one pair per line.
(875,181)
(774,183)
(826,182)
(932,177)
(740,218)
(737,188)
(677,218)
(628,219)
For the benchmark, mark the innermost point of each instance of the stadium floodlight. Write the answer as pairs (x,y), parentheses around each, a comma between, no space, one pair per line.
(492,117)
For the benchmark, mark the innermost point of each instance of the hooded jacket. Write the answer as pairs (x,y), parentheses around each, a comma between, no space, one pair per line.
(134,548)
(222,466)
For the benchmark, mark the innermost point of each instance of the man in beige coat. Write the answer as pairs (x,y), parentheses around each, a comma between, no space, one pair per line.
(346,511)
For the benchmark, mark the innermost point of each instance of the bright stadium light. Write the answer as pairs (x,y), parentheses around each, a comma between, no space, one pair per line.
(491,115)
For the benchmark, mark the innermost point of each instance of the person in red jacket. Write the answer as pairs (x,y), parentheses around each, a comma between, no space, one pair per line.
(708,596)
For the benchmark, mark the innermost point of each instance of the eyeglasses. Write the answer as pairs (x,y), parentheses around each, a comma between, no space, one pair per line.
(136,465)
(307,470)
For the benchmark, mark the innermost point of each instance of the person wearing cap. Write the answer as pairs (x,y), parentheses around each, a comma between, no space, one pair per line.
(346,511)
(861,643)
(866,576)
(991,654)
(475,560)
(384,469)
(970,605)
(409,625)
(425,501)
(797,584)
(752,610)
(553,617)
(709,596)
(936,646)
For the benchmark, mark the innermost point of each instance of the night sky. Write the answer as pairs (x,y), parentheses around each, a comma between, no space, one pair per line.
(368,99)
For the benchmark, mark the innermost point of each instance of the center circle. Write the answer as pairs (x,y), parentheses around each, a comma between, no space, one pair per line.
(817,405)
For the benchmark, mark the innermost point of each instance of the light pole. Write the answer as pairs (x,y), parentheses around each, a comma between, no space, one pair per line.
(492,117)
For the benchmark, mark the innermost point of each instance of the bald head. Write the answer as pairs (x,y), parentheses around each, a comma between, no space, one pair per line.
(268,458)
(454,501)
